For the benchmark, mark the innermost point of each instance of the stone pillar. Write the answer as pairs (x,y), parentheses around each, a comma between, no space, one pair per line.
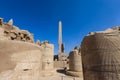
(75,64)
(47,62)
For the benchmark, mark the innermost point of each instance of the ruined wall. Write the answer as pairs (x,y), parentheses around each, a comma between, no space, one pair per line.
(20,60)
(47,59)
(61,64)
(101,56)
(10,32)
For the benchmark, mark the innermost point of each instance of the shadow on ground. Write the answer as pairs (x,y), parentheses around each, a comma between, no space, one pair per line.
(63,71)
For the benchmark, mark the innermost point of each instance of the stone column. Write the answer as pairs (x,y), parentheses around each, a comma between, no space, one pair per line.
(47,62)
(75,64)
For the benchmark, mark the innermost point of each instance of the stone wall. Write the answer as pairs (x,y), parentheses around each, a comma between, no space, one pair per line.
(61,64)
(20,60)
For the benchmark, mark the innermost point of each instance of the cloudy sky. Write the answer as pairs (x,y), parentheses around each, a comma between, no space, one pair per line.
(79,17)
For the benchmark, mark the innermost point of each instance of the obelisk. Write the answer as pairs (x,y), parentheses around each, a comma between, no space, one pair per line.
(61,54)
(60,38)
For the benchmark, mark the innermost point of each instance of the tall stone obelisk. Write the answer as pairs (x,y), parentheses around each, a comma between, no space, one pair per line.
(60,38)
(61,54)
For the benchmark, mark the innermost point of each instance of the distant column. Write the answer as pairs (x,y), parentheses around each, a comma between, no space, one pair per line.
(60,37)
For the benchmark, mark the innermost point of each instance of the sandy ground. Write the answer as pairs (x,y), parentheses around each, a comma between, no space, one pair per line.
(59,76)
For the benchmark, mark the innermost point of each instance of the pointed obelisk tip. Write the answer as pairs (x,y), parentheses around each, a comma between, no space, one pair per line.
(60,22)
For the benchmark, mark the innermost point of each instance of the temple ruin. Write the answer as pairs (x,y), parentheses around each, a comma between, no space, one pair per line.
(20,57)
(61,53)
(11,32)
(61,60)
(23,59)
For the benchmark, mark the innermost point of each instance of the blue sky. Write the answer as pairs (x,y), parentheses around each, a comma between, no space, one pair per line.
(79,17)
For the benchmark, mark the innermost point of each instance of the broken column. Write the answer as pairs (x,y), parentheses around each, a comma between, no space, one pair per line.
(75,64)
(47,62)
(101,55)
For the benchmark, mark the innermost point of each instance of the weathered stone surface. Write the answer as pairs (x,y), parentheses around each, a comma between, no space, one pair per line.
(61,64)
(20,60)
(14,33)
(101,55)
(75,63)
(1,32)
(75,74)
(62,57)
(47,61)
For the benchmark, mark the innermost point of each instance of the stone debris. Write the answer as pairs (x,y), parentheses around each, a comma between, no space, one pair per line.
(14,33)
(109,30)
